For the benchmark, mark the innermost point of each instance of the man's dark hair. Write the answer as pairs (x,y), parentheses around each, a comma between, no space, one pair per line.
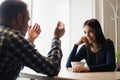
(10,8)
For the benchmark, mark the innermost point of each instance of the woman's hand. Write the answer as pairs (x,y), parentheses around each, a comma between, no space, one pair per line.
(80,68)
(33,32)
(82,40)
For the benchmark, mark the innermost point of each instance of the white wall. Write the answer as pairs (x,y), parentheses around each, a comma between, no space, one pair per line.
(71,12)
(81,10)
(47,14)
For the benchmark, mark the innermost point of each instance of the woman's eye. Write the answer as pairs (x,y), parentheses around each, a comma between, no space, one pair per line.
(91,31)
(85,32)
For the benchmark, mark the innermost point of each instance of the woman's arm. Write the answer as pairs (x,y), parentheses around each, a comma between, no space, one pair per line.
(76,55)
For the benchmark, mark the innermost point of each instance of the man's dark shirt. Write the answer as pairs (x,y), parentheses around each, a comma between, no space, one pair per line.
(16,52)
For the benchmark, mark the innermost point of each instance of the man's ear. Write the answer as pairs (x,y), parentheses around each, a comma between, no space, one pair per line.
(19,19)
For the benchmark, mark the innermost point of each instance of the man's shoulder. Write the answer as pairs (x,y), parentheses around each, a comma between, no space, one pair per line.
(8,32)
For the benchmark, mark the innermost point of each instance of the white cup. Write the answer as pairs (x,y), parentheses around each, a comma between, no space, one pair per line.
(74,63)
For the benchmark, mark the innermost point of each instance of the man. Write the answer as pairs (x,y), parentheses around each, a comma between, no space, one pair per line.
(16,51)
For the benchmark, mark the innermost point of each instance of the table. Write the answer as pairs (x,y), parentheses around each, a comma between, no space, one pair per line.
(69,75)
(32,75)
(91,75)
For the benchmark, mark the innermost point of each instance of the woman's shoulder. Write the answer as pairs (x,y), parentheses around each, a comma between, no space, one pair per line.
(109,42)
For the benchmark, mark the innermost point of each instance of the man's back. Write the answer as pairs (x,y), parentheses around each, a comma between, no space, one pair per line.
(8,65)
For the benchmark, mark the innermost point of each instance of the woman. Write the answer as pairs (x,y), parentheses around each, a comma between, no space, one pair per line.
(96,50)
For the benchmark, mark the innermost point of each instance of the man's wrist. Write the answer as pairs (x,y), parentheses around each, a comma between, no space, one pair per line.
(31,42)
(56,42)
(55,37)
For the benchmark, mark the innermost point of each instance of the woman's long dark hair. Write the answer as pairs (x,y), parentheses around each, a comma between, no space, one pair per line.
(94,23)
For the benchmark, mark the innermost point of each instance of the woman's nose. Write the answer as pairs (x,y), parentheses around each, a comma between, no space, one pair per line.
(87,35)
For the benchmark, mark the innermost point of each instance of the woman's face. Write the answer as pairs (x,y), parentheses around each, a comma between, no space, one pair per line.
(90,34)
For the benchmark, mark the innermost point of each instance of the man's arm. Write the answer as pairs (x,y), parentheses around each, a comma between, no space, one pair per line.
(24,53)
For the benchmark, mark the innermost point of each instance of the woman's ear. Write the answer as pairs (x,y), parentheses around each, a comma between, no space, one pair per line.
(19,19)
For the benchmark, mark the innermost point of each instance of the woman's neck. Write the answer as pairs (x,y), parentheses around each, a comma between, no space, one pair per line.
(95,47)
